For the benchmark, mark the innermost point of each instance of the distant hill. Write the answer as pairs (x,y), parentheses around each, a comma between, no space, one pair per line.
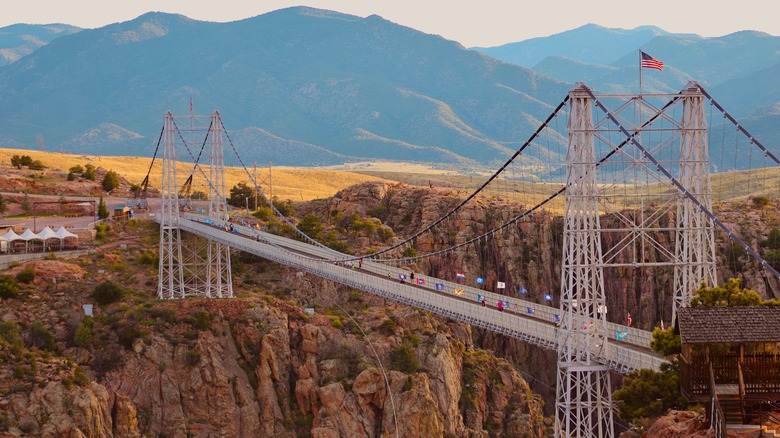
(588,44)
(740,69)
(19,40)
(308,87)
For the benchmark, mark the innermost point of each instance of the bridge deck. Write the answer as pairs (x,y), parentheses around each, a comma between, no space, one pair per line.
(538,327)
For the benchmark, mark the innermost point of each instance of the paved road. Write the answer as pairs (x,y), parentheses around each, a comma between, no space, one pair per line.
(55,222)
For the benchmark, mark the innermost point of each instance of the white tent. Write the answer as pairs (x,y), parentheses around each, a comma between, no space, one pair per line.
(46,234)
(3,244)
(10,235)
(27,236)
(63,234)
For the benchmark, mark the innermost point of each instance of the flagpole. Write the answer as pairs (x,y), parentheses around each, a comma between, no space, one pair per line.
(640,73)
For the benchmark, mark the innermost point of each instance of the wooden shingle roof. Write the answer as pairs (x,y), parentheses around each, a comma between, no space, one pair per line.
(741,324)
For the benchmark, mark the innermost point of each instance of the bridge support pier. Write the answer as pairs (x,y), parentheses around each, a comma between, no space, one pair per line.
(695,241)
(189,268)
(584,396)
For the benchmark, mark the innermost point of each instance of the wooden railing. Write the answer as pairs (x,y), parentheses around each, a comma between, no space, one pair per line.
(760,373)
(717,418)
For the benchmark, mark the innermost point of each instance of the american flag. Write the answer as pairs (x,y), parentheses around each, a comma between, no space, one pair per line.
(650,62)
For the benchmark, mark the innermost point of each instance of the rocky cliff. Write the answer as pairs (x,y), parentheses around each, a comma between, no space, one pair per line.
(529,254)
(252,366)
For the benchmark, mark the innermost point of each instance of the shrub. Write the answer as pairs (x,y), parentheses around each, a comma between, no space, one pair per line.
(192,357)
(37,165)
(84,333)
(761,201)
(79,377)
(402,359)
(409,252)
(26,275)
(38,336)
(76,169)
(107,292)
(9,288)
(9,332)
(202,320)
(388,327)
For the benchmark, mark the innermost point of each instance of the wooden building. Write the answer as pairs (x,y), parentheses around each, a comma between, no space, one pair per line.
(730,362)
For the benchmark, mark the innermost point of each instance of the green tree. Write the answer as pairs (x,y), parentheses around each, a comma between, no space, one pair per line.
(285,207)
(71,176)
(102,209)
(16,161)
(3,205)
(239,194)
(665,341)
(25,160)
(311,225)
(732,294)
(77,169)
(649,394)
(110,181)
(27,204)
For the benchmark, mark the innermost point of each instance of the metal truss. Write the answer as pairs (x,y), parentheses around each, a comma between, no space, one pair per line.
(584,397)
(695,242)
(192,266)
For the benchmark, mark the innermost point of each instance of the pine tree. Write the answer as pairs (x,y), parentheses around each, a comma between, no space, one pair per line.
(102,209)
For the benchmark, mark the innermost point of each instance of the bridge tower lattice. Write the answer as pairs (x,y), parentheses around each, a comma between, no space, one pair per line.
(192,268)
(695,242)
(584,398)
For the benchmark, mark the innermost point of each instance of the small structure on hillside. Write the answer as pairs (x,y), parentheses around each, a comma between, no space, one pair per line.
(730,362)
(122,213)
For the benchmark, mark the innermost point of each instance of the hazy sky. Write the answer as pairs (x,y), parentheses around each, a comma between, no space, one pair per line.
(470,22)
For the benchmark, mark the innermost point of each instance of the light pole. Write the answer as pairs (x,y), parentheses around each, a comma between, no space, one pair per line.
(247,205)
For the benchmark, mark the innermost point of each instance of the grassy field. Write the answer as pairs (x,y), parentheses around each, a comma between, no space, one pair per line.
(288,183)
(301,184)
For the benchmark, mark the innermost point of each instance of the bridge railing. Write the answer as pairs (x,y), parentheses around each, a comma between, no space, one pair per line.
(530,309)
(543,333)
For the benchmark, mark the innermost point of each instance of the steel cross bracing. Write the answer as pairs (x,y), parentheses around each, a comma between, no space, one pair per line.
(184,270)
(584,394)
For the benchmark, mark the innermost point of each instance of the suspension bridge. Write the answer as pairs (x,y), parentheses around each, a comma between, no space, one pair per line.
(636,168)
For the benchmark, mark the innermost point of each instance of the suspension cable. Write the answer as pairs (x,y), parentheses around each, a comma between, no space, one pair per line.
(679,186)
(741,128)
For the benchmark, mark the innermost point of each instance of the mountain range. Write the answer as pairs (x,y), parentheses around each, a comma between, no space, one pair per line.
(306,87)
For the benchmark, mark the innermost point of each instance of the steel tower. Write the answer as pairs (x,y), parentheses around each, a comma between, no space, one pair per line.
(188,268)
(695,242)
(584,398)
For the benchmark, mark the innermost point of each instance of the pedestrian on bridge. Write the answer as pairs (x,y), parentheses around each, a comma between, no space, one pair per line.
(500,306)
